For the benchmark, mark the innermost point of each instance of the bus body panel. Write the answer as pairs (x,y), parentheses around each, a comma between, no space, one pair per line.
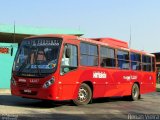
(66,87)
(116,83)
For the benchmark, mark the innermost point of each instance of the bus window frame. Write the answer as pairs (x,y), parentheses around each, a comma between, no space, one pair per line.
(63,48)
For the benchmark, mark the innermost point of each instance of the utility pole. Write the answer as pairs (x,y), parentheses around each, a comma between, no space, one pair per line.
(14,36)
(130,37)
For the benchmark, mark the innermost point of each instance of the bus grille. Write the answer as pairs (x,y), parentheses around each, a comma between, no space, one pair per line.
(19,84)
(29,85)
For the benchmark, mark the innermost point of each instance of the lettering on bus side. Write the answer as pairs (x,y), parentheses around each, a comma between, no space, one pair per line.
(132,77)
(99,75)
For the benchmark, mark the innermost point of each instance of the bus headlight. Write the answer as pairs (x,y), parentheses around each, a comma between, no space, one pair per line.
(49,83)
(13,82)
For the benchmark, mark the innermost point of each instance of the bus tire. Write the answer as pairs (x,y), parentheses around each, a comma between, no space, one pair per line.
(84,95)
(135,93)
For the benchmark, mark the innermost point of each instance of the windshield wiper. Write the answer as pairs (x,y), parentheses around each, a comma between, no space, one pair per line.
(22,67)
(24,64)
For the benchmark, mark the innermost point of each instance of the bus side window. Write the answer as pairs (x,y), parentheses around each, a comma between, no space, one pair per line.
(89,54)
(135,61)
(123,59)
(70,59)
(146,63)
(107,57)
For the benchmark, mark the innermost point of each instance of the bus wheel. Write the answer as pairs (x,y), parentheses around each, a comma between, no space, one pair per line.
(84,95)
(135,92)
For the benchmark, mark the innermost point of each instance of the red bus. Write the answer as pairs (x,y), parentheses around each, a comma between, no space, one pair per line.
(66,67)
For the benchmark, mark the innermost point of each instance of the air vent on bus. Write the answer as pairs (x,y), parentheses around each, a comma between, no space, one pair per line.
(112,42)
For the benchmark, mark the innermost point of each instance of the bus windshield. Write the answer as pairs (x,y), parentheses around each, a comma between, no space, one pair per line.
(37,56)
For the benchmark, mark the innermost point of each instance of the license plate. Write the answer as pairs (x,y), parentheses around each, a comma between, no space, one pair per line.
(27,91)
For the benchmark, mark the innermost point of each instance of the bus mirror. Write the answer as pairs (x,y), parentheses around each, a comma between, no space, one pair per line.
(12,51)
(68,53)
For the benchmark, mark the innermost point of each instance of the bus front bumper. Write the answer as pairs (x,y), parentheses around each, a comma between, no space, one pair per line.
(41,93)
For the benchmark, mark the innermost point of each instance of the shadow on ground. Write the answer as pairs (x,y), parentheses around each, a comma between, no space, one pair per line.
(9,100)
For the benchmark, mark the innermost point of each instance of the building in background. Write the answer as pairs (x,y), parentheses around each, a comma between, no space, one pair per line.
(11,36)
(158,65)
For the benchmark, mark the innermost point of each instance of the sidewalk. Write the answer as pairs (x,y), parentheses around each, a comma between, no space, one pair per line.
(5,91)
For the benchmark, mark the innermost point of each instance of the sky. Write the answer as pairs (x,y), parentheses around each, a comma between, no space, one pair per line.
(96,18)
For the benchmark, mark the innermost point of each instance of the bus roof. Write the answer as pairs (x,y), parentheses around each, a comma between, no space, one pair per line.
(112,42)
(54,35)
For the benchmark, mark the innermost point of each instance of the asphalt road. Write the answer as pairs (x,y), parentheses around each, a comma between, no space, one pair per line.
(12,107)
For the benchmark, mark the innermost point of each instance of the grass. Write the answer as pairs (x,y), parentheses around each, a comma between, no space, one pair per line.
(158,87)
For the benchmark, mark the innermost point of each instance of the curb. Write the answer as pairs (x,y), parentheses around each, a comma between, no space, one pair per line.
(5,91)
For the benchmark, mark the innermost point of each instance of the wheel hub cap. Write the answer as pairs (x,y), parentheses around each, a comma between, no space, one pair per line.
(82,95)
